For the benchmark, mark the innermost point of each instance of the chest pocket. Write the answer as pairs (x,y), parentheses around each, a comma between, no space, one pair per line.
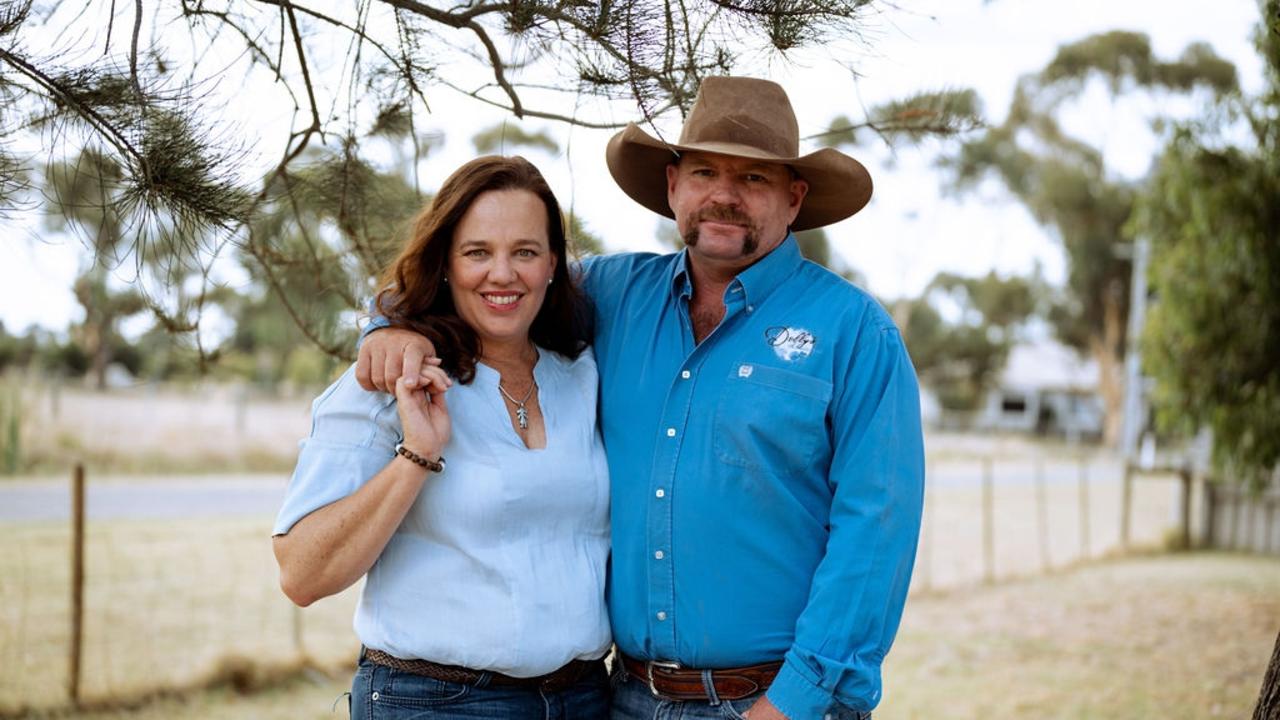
(771,419)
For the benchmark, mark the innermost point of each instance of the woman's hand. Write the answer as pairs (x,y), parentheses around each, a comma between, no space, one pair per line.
(424,417)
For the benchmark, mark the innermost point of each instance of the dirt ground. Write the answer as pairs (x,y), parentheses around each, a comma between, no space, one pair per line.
(1172,636)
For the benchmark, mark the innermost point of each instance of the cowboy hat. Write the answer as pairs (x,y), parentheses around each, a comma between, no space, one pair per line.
(749,118)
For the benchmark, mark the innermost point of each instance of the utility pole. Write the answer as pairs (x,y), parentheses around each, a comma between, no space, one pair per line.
(1135,402)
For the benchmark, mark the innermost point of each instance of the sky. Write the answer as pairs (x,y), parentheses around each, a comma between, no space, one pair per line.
(910,231)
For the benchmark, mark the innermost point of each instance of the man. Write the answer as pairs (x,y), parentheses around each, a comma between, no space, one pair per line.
(762,422)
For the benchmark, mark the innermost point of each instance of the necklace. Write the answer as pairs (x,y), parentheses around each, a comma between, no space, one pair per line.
(522,415)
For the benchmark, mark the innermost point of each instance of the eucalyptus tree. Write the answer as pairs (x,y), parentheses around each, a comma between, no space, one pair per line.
(1212,342)
(85,189)
(962,329)
(1067,185)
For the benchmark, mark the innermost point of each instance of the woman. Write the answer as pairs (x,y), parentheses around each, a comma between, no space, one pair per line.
(484,595)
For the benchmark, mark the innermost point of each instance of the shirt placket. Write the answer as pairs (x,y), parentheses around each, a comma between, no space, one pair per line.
(665,477)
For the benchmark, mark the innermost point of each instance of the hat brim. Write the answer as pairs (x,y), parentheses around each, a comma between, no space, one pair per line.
(839,186)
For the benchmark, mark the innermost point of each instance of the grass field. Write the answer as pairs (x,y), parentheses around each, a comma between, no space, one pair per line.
(175,603)
(167,604)
(1175,636)
(179,604)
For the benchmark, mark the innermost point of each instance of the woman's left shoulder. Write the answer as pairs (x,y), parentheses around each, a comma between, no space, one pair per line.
(580,368)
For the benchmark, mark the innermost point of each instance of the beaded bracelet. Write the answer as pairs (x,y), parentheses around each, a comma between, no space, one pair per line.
(413,457)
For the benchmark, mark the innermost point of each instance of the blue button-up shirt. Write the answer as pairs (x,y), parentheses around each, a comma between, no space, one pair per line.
(767,483)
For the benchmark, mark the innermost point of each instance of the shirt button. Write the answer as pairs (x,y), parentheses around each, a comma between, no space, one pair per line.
(751,308)
(374,696)
(662,615)
(685,374)
(671,432)
(661,493)
(658,555)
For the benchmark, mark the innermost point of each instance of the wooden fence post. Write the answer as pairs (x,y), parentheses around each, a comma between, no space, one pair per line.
(1126,505)
(1271,522)
(1210,513)
(988,522)
(1233,540)
(1084,506)
(298,645)
(1185,476)
(1250,531)
(926,531)
(77,581)
(1042,513)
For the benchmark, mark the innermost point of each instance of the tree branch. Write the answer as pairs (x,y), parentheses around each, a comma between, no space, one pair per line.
(133,47)
(535,113)
(102,125)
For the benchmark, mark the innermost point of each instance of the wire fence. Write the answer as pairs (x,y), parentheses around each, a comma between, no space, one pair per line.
(175,603)
(167,605)
(989,518)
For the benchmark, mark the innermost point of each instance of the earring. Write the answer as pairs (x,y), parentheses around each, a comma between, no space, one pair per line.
(549,280)
(446,279)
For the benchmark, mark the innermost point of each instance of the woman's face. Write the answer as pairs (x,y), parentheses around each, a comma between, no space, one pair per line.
(500,263)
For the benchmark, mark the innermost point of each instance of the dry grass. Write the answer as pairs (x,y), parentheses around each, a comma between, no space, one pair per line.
(179,604)
(1179,636)
(167,602)
(166,605)
(1175,636)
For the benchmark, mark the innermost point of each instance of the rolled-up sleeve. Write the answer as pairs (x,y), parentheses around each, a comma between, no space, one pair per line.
(858,592)
(353,436)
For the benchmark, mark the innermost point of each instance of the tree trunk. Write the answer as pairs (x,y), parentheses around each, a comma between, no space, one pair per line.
(1268,707)
(95,344)
(1107,349)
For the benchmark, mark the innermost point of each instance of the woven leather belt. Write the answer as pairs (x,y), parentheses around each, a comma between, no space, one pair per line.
(553,681)
(669,681)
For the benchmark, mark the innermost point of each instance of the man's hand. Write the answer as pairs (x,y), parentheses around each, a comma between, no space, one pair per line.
(762,709)
(388,353)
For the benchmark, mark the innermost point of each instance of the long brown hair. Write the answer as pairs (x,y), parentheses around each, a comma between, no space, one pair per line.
(415,295)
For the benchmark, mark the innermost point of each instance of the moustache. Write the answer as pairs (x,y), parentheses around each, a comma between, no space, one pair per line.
(723,213)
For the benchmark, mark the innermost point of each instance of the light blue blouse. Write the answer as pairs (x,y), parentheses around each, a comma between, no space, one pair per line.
(500,563)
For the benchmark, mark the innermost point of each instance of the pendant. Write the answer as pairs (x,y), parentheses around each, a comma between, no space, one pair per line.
(522,417)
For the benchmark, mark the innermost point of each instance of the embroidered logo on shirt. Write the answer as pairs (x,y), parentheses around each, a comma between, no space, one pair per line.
(744,371)
(790,343)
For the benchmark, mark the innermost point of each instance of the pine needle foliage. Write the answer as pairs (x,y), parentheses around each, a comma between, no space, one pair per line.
(147,86)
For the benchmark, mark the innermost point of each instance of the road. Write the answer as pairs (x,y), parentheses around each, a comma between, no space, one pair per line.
(108,499)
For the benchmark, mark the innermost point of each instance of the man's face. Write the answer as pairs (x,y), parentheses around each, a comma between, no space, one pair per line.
(732,211)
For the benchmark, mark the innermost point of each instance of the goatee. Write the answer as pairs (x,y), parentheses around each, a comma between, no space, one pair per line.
(723,213)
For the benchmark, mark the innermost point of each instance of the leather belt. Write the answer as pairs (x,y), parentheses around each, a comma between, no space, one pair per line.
(671,682)
(553,681)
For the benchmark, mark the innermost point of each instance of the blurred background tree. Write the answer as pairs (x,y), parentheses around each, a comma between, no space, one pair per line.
(87,191)
(1068,187)
(961,329)
(1212,212)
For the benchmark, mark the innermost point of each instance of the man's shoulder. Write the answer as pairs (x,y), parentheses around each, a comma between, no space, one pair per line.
(609,276)
(833,292)
(626,262)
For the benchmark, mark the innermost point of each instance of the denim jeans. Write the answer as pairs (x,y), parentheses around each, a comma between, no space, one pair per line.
(383,693)
(633,701)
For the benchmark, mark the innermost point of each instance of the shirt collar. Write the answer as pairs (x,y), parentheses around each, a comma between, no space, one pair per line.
(756,281)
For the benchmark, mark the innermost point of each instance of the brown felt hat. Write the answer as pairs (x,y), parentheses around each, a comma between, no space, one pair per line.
(749,118)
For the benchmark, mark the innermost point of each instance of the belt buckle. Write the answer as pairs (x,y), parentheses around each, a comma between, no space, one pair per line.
(664,664)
